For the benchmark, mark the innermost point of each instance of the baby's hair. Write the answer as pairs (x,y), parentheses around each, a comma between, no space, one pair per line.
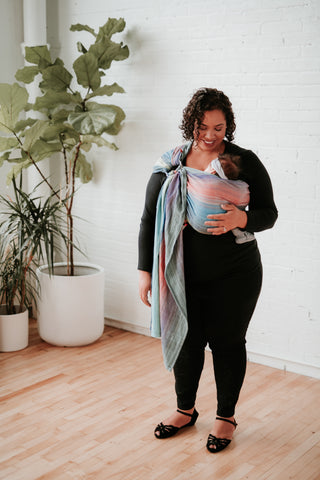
(230,165)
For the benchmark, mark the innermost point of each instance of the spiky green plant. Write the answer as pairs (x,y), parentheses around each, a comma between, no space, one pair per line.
(71,121)
(31,231)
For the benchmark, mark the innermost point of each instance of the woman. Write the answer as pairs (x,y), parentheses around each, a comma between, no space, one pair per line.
(196,239)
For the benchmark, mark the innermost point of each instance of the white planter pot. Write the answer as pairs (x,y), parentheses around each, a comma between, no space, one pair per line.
(14,330)
(71,309)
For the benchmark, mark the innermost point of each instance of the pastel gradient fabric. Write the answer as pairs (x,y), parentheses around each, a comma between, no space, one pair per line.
(187,195)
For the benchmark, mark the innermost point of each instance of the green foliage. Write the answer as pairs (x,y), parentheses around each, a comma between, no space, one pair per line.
(79,28)
(13,99)
(70,121)
(31,230)
(86,68)
(97,119)
(68,112)
(38,55)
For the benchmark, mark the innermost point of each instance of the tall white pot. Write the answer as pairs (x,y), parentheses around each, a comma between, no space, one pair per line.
(14,330)
(71,309)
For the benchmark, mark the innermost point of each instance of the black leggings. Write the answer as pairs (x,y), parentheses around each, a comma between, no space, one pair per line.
(219,310)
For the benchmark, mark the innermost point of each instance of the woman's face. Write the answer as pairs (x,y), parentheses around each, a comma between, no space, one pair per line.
(212,131)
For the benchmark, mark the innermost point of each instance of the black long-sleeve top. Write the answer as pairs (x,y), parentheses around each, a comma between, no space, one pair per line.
(262,211)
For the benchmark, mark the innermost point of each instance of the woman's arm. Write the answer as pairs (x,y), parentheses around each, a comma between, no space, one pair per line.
(145,287)
(147,224)
(262,212)
(146,236)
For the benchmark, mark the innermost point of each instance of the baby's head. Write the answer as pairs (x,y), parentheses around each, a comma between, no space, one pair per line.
(230,165)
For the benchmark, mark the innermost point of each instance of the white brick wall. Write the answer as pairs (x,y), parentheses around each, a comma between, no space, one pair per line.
(265,56)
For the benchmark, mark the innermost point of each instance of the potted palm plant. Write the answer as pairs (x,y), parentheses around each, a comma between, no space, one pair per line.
(71,122)
(31,230)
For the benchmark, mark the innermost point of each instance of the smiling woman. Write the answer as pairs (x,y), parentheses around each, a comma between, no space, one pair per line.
(194,264)
(201,103)
(208,140)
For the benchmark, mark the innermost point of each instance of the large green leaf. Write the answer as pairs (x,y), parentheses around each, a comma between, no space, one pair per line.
(27,74)
(83,169)
(53,99)
(39,55)
(106,90)
(58,61)
(98,140)
(28,107)
(116,126)
(79,28)
(3,127)
(22,124)
(106,51)
(13,99)
(69,143)
(4,156)
(55,77)
(14,172)
(70,133)
(50,133)
(60,130)
(42,149)
(34,133)
(22,157)
(112,26)
(87,71)
(97,119)
(18,159)
(60,116)
(86,147)
(7,143)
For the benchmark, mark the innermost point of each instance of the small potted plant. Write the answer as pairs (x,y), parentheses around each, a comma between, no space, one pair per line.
(71,122)
(13,299)
(31,230)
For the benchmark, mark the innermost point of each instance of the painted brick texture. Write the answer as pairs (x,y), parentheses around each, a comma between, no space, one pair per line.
(265,56)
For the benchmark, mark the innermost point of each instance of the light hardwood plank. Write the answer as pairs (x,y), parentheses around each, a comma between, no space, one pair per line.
(89,413)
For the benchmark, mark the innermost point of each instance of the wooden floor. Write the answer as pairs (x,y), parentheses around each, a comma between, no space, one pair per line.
(89,413)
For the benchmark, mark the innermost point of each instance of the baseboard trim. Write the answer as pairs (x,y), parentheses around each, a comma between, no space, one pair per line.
(130,327)
(274,362)
(285,365)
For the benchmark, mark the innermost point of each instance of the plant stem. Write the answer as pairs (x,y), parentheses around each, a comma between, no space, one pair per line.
(23,289)
(70,256)
(70,261)
(35,164)
(42,175)
(64,153)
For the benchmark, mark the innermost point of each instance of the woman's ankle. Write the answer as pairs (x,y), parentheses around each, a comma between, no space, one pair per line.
(189,410)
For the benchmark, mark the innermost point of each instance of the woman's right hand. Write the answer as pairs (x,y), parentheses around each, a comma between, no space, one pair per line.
(145,287)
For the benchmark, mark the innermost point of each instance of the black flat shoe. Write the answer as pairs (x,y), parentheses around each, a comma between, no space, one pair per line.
(215,444)
(166,431)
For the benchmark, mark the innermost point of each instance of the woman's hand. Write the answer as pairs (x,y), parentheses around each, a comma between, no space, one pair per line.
(145,287)
(223,222)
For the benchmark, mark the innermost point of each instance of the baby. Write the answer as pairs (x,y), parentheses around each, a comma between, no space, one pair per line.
(227,166)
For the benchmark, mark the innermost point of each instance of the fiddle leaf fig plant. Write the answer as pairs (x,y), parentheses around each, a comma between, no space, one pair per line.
(69,120)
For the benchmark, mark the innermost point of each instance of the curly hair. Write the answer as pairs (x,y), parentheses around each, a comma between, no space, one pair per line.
(203,100)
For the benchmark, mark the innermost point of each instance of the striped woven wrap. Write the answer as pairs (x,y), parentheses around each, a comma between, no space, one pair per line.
(186,195)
